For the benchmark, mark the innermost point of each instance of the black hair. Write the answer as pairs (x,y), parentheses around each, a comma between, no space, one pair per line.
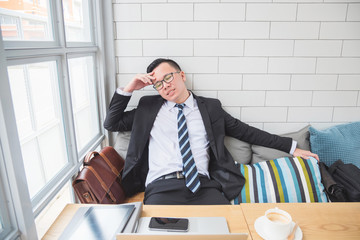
(158,61)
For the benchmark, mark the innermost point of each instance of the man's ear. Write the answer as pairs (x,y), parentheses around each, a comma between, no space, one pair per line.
(183,76)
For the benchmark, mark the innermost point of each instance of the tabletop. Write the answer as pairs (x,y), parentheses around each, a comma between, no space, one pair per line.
(316,220)
(233,214)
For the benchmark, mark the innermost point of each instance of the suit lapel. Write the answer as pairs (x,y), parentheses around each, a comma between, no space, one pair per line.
(207,123)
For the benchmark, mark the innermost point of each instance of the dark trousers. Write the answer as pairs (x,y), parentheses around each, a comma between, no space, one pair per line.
(175,192)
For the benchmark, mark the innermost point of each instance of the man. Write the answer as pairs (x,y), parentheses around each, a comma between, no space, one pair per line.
(176,151)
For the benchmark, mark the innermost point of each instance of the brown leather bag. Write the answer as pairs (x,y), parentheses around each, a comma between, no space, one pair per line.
(100,179)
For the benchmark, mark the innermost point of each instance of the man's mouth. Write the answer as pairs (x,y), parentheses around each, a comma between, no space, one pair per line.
(170,92)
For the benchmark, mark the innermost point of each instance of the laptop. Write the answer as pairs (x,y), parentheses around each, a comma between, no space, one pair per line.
(200,228)
(178,236)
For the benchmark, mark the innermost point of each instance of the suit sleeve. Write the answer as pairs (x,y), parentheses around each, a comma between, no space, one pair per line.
(244,132)
(117,119)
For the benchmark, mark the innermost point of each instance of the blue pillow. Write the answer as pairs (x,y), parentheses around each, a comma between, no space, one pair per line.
(337,142)
(282,180)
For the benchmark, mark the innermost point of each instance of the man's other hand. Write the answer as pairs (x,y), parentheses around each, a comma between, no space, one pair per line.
(304,154)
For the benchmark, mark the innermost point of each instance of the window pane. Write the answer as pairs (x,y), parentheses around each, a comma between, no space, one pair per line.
(77,20)
(39,121)
(26,20)
(83,94)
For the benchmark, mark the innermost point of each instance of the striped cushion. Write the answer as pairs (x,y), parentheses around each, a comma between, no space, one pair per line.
(282,180)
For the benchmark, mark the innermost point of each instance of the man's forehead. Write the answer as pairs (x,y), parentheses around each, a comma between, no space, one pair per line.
(163,69)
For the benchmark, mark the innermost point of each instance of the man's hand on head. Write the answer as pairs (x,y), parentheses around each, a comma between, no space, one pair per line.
(304,154)
(140,81)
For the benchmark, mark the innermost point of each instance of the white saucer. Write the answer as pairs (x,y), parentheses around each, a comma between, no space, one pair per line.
(259,229)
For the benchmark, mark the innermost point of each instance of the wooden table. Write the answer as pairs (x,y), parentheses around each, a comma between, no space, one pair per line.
(316,220)
(232,213)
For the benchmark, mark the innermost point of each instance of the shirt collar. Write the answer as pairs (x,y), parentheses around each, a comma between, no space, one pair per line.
(189,103)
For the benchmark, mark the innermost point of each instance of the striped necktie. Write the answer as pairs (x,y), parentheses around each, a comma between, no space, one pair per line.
(190,171)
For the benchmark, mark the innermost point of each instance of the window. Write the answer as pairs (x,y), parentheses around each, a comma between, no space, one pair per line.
(39,121)
(52,103)
(26,21)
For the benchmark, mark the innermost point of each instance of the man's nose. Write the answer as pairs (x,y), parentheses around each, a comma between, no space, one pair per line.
(166,84)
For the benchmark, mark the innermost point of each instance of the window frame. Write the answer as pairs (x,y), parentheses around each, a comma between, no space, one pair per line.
(20,210)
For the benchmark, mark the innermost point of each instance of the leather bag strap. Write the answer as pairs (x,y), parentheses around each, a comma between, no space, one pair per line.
(103,185)
(89,156)
(113,169)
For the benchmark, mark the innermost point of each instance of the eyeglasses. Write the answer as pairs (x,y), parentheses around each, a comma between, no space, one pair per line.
(167,78)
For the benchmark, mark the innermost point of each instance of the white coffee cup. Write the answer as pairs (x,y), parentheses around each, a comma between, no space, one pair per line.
(277,224)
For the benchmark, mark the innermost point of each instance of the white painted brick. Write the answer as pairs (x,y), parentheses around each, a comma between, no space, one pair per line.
(233,111)
(338,65)
(292,65)
(198,64)
(218,47)
(321,12)
(270,12)
(189,81)
(294,30)
(288,98)
(127,12)
(246,1)
(209,94)
(349,82)
(358,103)
(340,30)
(346,114)
(193,29)
(335,98)
(269,47)
(167,12)
(314,48)
(351,48)
(266,82)
(242,65)
(313,82)
(194,1)
(298,1)
(168,48)
(242,98)
(263,114)
(144,30)
(244,30)
(133,64)
(283,128)
(140,1)
(128,47)
(353,12)
(346,1)
(219,12)
(310,114)
(217,82)
(123,79)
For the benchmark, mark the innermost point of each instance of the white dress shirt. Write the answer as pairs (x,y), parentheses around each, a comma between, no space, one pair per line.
(164,150)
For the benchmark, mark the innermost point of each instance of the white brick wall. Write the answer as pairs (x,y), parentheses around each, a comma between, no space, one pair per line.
(277,64)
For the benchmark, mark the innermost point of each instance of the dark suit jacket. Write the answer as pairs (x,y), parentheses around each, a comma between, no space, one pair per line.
(217,123)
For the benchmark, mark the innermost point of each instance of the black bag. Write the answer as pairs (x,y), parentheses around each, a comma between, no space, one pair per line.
(335,191)
(347,175)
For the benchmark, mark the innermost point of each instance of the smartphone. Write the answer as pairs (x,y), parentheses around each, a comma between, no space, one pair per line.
(169,224)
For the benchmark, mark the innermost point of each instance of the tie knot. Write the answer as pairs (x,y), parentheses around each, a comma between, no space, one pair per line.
(180,106)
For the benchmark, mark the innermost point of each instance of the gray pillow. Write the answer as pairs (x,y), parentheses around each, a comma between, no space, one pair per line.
(264,154)
(239,150)
(122,143)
